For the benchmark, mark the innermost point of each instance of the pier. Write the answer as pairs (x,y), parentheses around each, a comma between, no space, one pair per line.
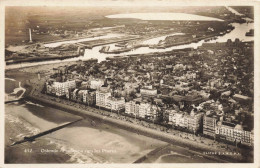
(32,138)
(12,101)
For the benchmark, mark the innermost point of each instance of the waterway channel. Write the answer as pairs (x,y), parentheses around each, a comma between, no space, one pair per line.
(239,31)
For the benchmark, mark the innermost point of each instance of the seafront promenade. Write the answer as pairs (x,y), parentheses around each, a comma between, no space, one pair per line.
(197,145)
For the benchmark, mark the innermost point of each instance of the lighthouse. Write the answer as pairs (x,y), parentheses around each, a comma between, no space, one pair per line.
(30,35)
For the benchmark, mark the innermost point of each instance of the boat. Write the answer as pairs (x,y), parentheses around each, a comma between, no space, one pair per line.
(250,33)
(122,44)
(104,49)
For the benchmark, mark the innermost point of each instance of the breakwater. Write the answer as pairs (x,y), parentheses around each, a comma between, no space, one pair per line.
(41,59)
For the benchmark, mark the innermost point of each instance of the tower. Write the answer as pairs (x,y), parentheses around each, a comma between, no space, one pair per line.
(39,76)
(30,36)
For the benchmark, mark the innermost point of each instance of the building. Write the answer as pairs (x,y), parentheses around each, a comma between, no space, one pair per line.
(148,92)
(74,94)
(101,98)
(49,88)
(176,118)
(243,136)
(195,121)
(144,110)
(247,138)
(96,84)
(225,130)
(171,115)
(89,97)
(234,133)
(252,138)
(130,87)
(132,107)
(61,87)
(191,122)
(67,93)
(85,93)
(154,113)
(193,99)
(241,98)
(80,96)
(141,109)
(209,125)
(115,104)
(238,133)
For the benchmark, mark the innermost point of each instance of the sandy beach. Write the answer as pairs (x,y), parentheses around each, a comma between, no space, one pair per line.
(102,143)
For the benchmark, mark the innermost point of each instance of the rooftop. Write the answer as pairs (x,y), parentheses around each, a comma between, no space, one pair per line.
(230,124)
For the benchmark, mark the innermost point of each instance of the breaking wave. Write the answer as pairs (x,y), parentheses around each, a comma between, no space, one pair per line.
(76,156)
(32,130)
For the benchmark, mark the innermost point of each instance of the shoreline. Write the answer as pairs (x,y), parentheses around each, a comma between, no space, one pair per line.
(197,148)
(112,138)
(17,155)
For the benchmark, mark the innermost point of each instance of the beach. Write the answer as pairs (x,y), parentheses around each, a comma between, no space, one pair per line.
(31,118)
(79,143)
